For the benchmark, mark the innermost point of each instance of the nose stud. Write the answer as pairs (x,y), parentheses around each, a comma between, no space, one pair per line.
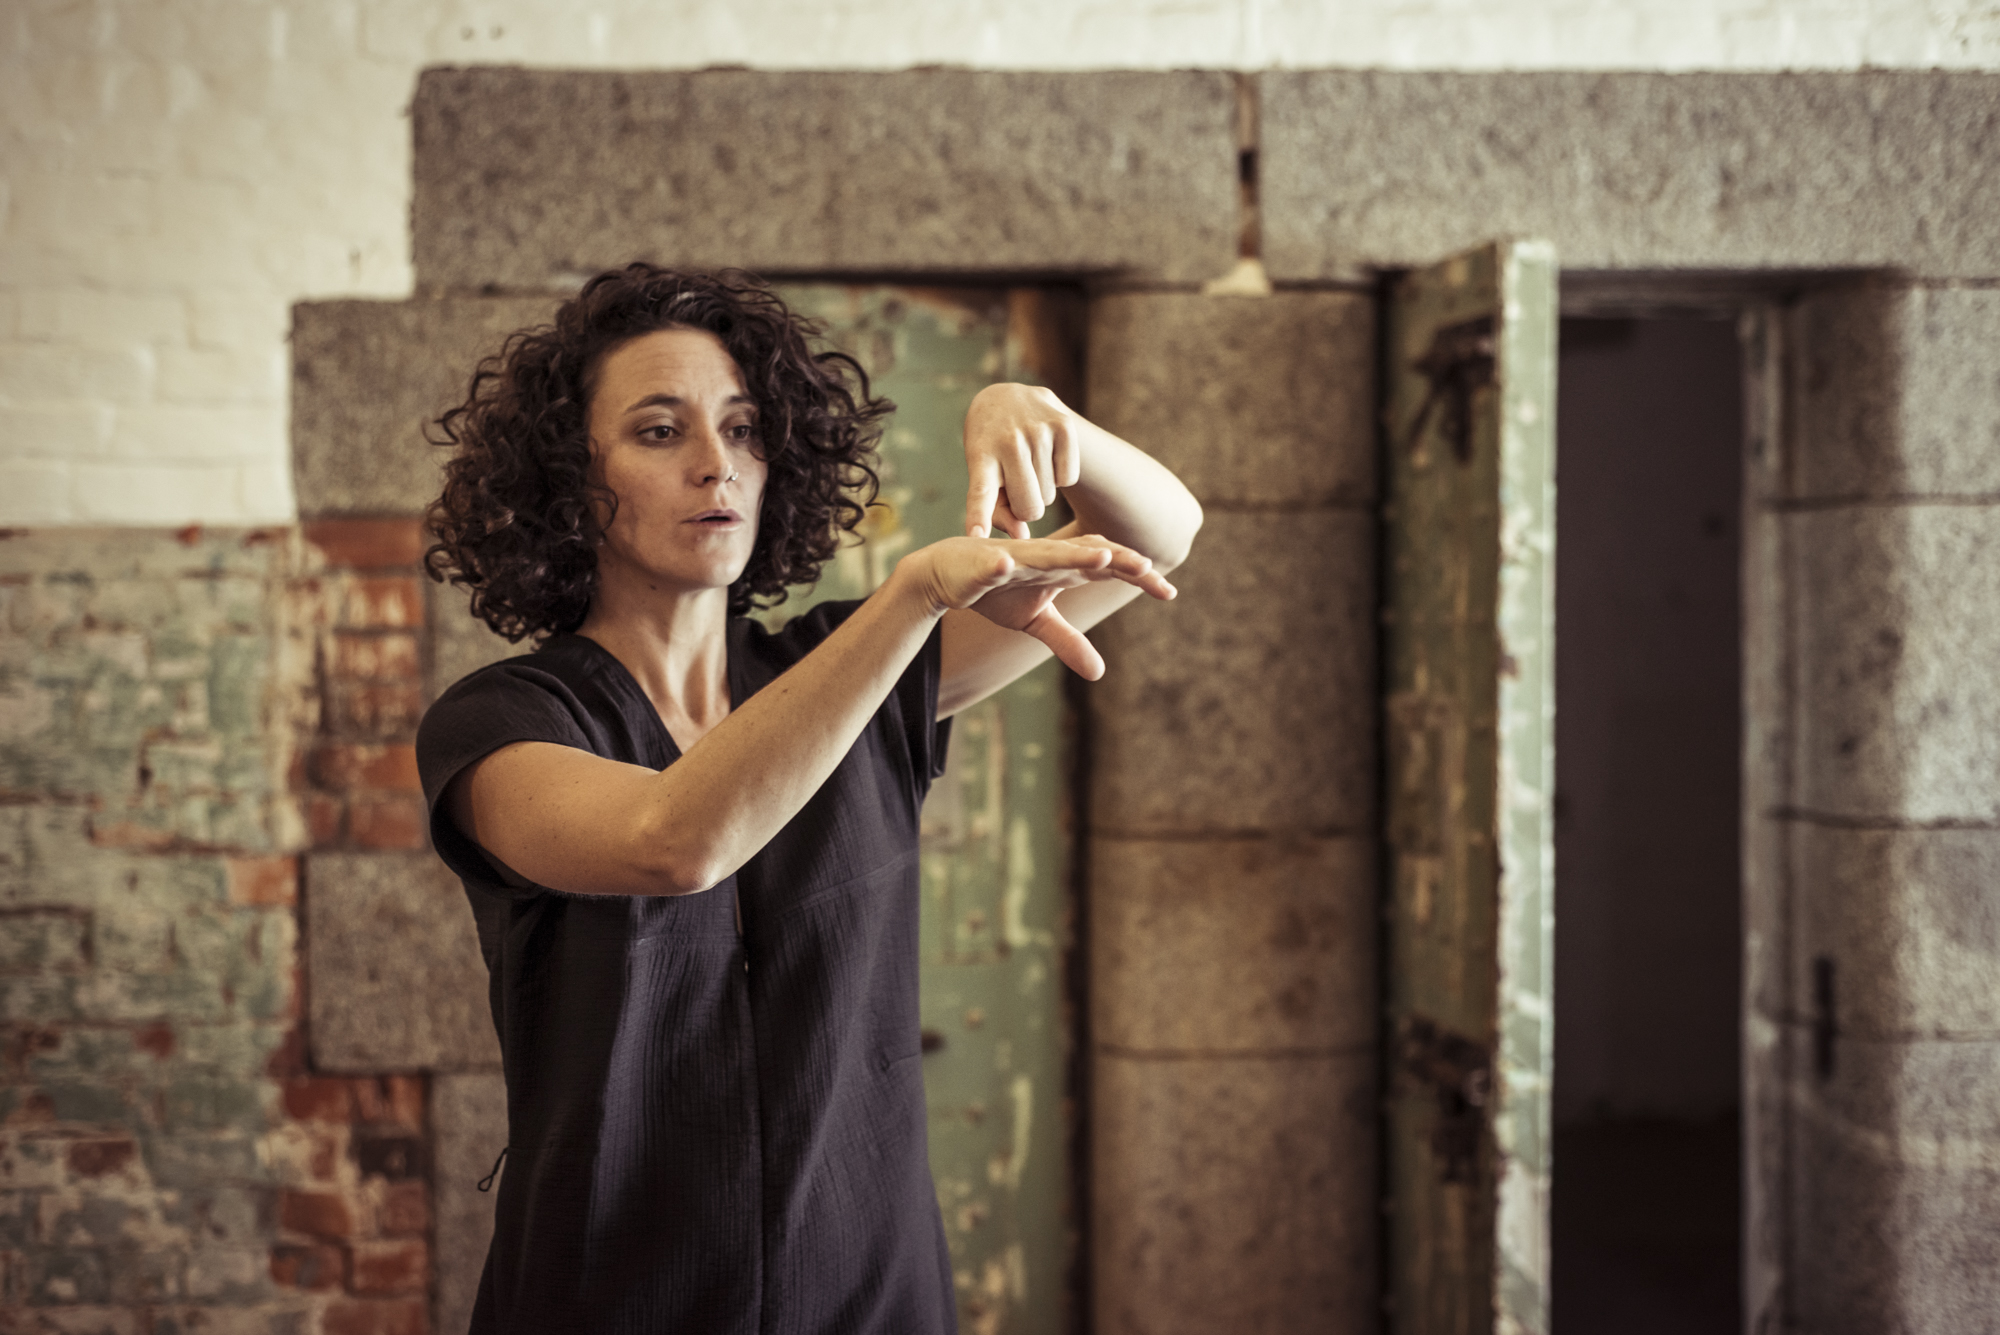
(732,477)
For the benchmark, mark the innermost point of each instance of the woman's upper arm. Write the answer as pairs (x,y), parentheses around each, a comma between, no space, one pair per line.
(569,820)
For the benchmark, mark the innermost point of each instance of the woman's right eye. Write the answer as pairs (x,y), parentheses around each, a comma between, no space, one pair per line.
(659,431)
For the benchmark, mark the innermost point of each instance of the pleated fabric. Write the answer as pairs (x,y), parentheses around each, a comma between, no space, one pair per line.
(709,1132)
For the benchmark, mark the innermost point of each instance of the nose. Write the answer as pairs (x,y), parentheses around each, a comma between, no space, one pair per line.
(708,461)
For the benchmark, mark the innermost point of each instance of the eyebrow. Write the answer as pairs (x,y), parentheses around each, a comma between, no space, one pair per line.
(675,401)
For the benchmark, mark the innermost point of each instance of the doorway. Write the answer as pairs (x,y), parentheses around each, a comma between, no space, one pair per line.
(1647,1186)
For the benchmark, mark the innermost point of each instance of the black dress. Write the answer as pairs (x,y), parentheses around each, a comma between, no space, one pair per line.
(706,1132)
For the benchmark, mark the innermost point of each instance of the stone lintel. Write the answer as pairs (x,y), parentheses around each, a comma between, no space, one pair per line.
(1871,170)
(532,179)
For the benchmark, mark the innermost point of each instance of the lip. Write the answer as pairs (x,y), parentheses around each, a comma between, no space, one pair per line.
(715,518)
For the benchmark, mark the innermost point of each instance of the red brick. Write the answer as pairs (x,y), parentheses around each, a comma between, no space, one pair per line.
(326,817)
(367,544)
(374,708)
(380,1269)
(319,1214)
(360,656)
(387,768)
(386,822)
(100,1158)
(390,1100)
(348,1316)
(156,1040)
(313,1267)
(130,835)
(318,1100)
(382,602)
(271,882)
(405,1210)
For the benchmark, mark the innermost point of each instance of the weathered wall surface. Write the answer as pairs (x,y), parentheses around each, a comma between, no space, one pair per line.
(1874,1039)
(175,723)
(176,176)
(1632,171)
(1231,805)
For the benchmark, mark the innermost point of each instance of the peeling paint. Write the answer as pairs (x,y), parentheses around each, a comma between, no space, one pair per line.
(1470,663)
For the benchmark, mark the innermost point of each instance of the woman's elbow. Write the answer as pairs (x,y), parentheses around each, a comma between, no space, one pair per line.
(665,863)
(1187,523)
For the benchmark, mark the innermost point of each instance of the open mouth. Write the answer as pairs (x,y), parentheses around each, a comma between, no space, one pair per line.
(717,518)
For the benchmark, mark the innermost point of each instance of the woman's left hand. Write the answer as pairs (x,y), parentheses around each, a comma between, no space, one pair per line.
(1021,445)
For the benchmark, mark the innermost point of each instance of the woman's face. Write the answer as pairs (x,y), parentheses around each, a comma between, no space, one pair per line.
(674,436)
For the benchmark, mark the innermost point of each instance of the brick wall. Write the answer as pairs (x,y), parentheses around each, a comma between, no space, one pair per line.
(215,1097)
(170,189)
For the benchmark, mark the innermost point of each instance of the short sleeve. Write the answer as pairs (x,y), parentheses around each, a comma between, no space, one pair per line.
(497,706)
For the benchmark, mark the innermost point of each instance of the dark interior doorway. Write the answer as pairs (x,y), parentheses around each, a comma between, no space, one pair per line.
(1647,1175)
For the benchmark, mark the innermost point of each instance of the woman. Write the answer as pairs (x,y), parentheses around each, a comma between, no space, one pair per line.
(690,844)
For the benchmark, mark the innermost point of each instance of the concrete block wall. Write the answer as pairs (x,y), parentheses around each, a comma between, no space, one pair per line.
(1231,805)
(1875,1036)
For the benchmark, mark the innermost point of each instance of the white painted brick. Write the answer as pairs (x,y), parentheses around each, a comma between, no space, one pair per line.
(38,372)
(264,491)
(118,319)
(34,491)
(239,318)
(205,376)
(55,431)
(40,315)
(197,434)
(144,493)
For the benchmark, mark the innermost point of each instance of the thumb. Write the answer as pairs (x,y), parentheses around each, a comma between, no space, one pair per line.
(1067,643)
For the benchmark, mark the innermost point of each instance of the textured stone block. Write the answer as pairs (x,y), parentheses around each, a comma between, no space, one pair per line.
(469,1126)
(1897,1222)
(366,378)
(529,179)
(398,982)
(1233,945)
(1910,1100)
(1248,703)
(1234,1195)
(1261,402)
(1911,923)
(1628,171)
(460,643)
(1899,628)
(1898,392)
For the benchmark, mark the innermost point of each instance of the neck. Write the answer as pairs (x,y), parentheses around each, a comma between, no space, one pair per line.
(675,645)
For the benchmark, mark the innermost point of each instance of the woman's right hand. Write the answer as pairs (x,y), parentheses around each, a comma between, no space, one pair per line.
(1014,584)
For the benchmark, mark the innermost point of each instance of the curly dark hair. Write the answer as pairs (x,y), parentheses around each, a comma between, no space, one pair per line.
(518,521)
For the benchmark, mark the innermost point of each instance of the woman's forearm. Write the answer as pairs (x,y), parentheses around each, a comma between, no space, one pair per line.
(1126,495)
(739,785)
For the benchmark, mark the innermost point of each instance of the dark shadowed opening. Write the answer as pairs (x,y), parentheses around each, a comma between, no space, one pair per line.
(1647,1186)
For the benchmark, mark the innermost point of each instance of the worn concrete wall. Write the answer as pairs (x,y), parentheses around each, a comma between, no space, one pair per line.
(1874,1062)
(176,176)
(1231,808)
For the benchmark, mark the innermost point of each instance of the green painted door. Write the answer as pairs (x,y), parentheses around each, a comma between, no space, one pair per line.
(1469,674)
(996,912)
